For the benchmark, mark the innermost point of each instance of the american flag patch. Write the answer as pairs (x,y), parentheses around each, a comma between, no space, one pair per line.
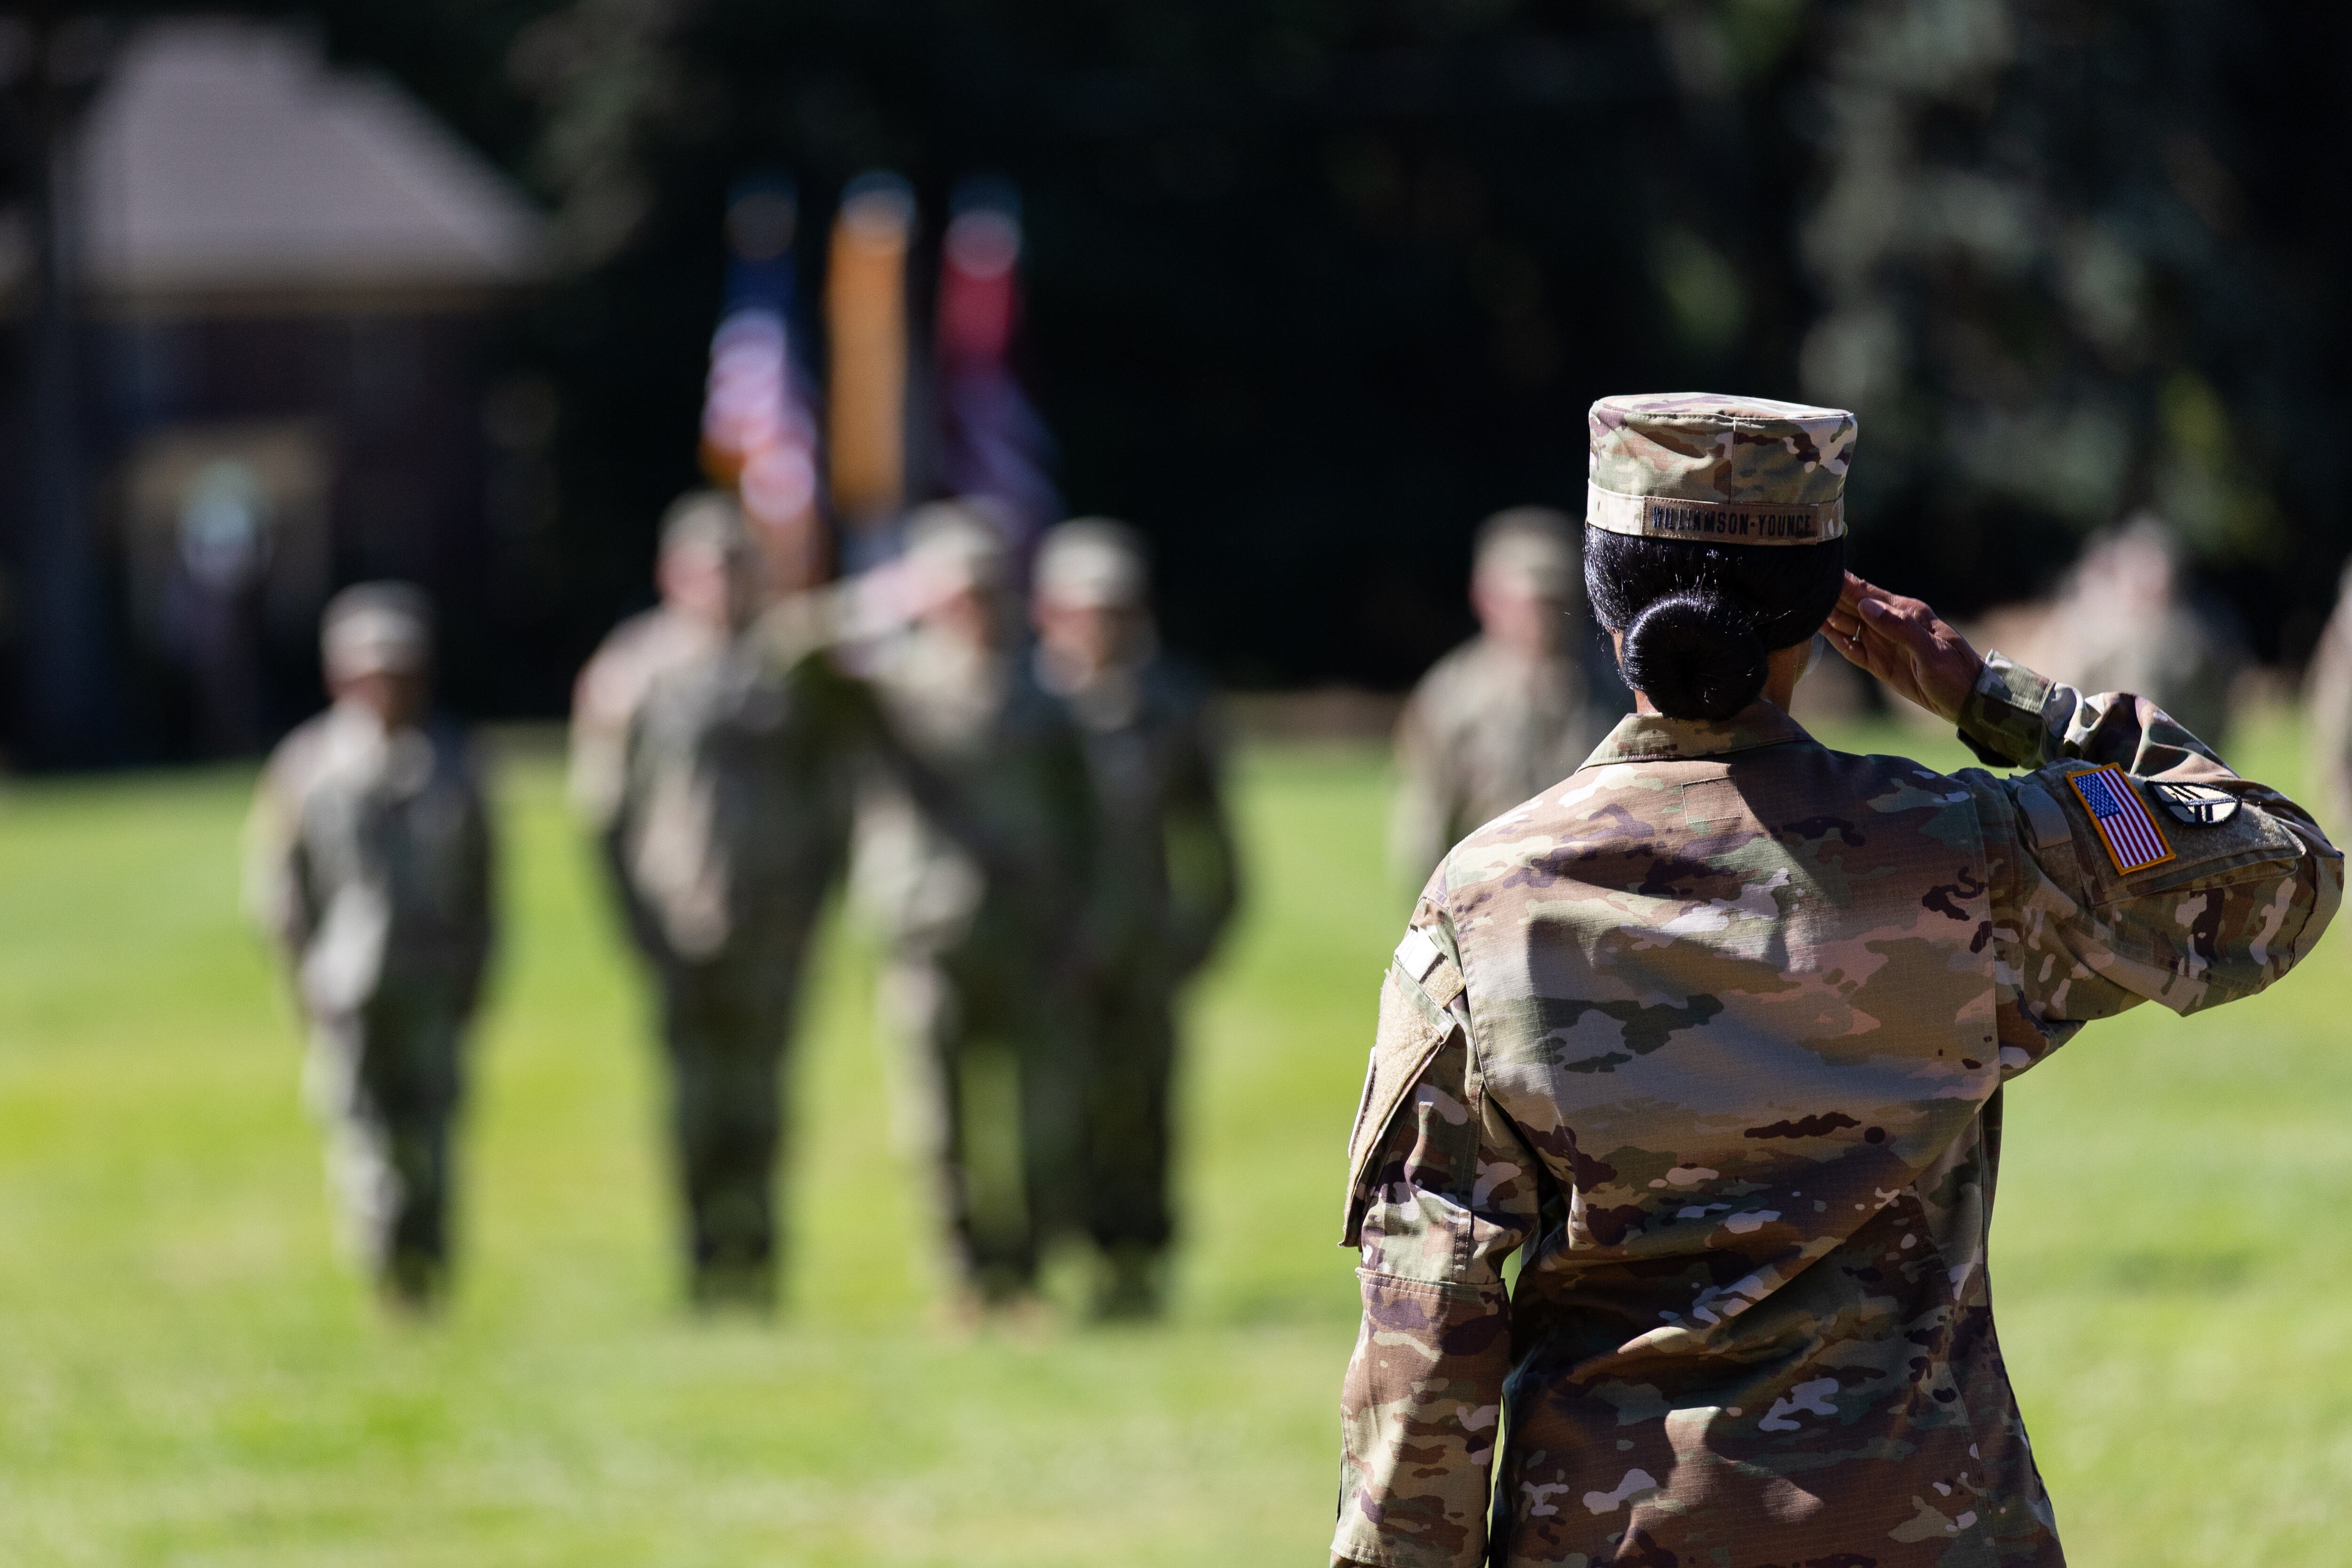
(2134,841)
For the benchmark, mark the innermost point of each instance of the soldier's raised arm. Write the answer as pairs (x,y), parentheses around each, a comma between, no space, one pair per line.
(2128,865)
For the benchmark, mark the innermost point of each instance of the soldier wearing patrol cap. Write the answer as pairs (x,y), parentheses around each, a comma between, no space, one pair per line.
(1512,709)
(369,860)
(983,881)
(1167,878)
(716,761)
(1712,1033)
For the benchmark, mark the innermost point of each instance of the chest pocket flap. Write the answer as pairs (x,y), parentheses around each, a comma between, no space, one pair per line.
(1415,1019)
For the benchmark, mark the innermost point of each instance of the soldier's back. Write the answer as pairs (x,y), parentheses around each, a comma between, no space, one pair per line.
(1747,1104)
(1749,1002)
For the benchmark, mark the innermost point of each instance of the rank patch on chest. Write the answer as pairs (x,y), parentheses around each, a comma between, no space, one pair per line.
(2199,805)
(2134,841)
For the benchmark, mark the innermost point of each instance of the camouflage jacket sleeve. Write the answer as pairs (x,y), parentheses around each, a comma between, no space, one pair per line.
(1441,1189)
(2236,903)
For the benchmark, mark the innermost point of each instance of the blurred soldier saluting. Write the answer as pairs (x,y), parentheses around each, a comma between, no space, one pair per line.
(984,946)
(1168,877)
(727,824)
(1509,712)
(370,862)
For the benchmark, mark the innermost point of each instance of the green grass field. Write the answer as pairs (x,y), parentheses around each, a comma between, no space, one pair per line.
(188,1376)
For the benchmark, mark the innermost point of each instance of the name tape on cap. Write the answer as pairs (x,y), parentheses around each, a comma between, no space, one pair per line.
(1714,522)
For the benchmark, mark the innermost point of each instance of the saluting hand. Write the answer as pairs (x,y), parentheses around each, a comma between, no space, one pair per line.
(1904,644)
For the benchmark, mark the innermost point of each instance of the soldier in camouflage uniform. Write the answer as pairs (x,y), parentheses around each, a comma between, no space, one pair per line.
(983,891)
(1713,1033)
(728,828)
(370,862)
(1168,876)
(1509,711)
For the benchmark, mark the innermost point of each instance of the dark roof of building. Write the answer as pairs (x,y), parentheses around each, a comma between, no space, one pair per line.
(224,160)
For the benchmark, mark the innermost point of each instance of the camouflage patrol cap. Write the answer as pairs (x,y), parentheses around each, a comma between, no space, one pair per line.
(376,628)
(1717,470)
(1093,562)
(1532,545)
(960,544)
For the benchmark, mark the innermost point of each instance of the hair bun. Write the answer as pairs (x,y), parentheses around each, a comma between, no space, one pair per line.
(1695,654)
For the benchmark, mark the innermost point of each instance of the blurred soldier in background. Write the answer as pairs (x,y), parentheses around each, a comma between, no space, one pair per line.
(2327,696)
(1167,873)
(370,862)
(2126,622)
(1511,711)
(984,956)
(725,826)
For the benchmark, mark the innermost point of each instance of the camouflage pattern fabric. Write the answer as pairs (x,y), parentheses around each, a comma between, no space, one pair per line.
(1168,881)
(604,702)
(369,860)
(385,1079)
(1698,446)
(982,883)
(1713,1033)
(733,825)
(1482,732)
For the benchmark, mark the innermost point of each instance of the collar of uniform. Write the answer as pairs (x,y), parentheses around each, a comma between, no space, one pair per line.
(1655,737)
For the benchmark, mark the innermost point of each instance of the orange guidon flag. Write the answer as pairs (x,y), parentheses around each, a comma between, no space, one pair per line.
(865,317)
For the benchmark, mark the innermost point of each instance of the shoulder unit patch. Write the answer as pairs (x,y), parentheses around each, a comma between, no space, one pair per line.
(2198,805)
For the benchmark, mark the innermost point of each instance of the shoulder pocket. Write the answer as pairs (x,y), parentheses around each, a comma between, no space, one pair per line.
(1415,998)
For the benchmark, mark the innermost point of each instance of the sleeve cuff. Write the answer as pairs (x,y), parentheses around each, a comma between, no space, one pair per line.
(2005,719)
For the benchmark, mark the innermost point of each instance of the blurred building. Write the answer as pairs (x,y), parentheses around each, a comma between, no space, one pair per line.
(287,281)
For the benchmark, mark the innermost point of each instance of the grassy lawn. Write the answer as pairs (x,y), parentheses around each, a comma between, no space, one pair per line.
(188,1376)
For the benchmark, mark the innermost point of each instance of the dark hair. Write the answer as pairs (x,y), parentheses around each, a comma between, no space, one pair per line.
(1699,619)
